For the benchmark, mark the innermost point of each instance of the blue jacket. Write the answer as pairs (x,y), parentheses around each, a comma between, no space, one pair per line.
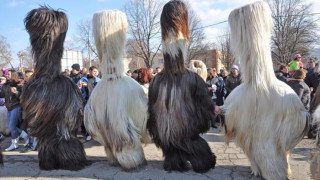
(85,90)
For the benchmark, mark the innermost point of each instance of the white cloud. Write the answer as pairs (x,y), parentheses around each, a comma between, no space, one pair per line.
(315,5)
(15,3)
(212,12)
(16,30)
(215,11)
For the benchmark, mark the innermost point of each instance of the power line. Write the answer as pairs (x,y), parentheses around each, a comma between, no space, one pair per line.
(211,25)
(299,15)
(221,22)
(272,16)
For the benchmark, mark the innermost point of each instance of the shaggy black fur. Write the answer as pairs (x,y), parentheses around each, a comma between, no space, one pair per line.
(177,133)
(52,102)
(198,108)
(61,154)
(1,158)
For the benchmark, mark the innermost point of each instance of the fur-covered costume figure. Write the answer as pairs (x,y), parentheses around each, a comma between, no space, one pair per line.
(199,67)
(116,112)
(315,155)
(263,115)
(315,164)
(179,103)
(51,101)
(3,124)
(4,121)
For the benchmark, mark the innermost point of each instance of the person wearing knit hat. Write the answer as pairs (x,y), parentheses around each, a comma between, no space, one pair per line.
(75,74)
(4,71)
(300,87)
(295,64)
(235,67)
(233,79)
(76,67)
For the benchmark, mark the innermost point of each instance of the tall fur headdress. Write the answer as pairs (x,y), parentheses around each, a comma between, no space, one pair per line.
(175,35)
(251,28)
(111,25)
(47,29)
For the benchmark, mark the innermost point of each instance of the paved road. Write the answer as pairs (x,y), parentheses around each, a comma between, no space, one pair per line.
(232,164)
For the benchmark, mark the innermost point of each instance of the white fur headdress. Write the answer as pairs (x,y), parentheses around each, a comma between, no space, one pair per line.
(251,27)
(111,25)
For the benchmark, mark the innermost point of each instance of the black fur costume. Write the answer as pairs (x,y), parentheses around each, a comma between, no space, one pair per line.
(51,101)
(1,158)
(179,103)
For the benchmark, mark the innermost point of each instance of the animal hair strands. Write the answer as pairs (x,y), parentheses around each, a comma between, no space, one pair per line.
(51,101)
(199,67)
(116,112)
(263,115)
(180,107)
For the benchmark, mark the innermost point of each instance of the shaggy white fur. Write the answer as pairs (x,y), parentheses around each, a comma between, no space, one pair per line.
(109,28)
(3,121)
(264,116)
(116,113)
(315,164)
(199,67)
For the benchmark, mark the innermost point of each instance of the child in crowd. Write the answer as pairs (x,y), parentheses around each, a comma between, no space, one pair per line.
(295,64)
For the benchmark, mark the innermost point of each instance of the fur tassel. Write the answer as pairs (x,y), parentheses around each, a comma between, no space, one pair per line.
(199,67)
(180,107)
(116,112)
(4,121)
(273,120)
(52,102)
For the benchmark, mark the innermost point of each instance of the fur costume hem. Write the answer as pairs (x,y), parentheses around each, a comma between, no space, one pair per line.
(58,153)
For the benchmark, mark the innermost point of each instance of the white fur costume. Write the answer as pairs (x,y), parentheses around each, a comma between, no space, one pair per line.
(3,121)
(116,113)
(264,116)
(199,67)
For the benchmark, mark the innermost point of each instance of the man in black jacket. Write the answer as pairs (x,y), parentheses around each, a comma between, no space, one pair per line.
(75,73)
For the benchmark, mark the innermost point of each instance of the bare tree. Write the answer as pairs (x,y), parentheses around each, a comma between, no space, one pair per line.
(86,40)
(225,54)
(144,28)
(5,52)
(198,46)
(295,29)
(26,59)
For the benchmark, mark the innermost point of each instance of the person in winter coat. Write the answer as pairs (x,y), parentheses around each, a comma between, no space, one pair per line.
(233,80)
(282,74)
(300,87)
(11,91)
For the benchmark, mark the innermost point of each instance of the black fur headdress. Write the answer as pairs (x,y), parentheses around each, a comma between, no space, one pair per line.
(47,29)
(51,101)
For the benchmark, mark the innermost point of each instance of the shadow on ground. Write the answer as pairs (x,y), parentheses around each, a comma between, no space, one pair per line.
(101,169)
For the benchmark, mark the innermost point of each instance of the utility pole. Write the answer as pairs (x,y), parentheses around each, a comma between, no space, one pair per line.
(21,55)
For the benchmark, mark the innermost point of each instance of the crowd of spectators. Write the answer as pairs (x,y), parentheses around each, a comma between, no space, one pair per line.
(304,81)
